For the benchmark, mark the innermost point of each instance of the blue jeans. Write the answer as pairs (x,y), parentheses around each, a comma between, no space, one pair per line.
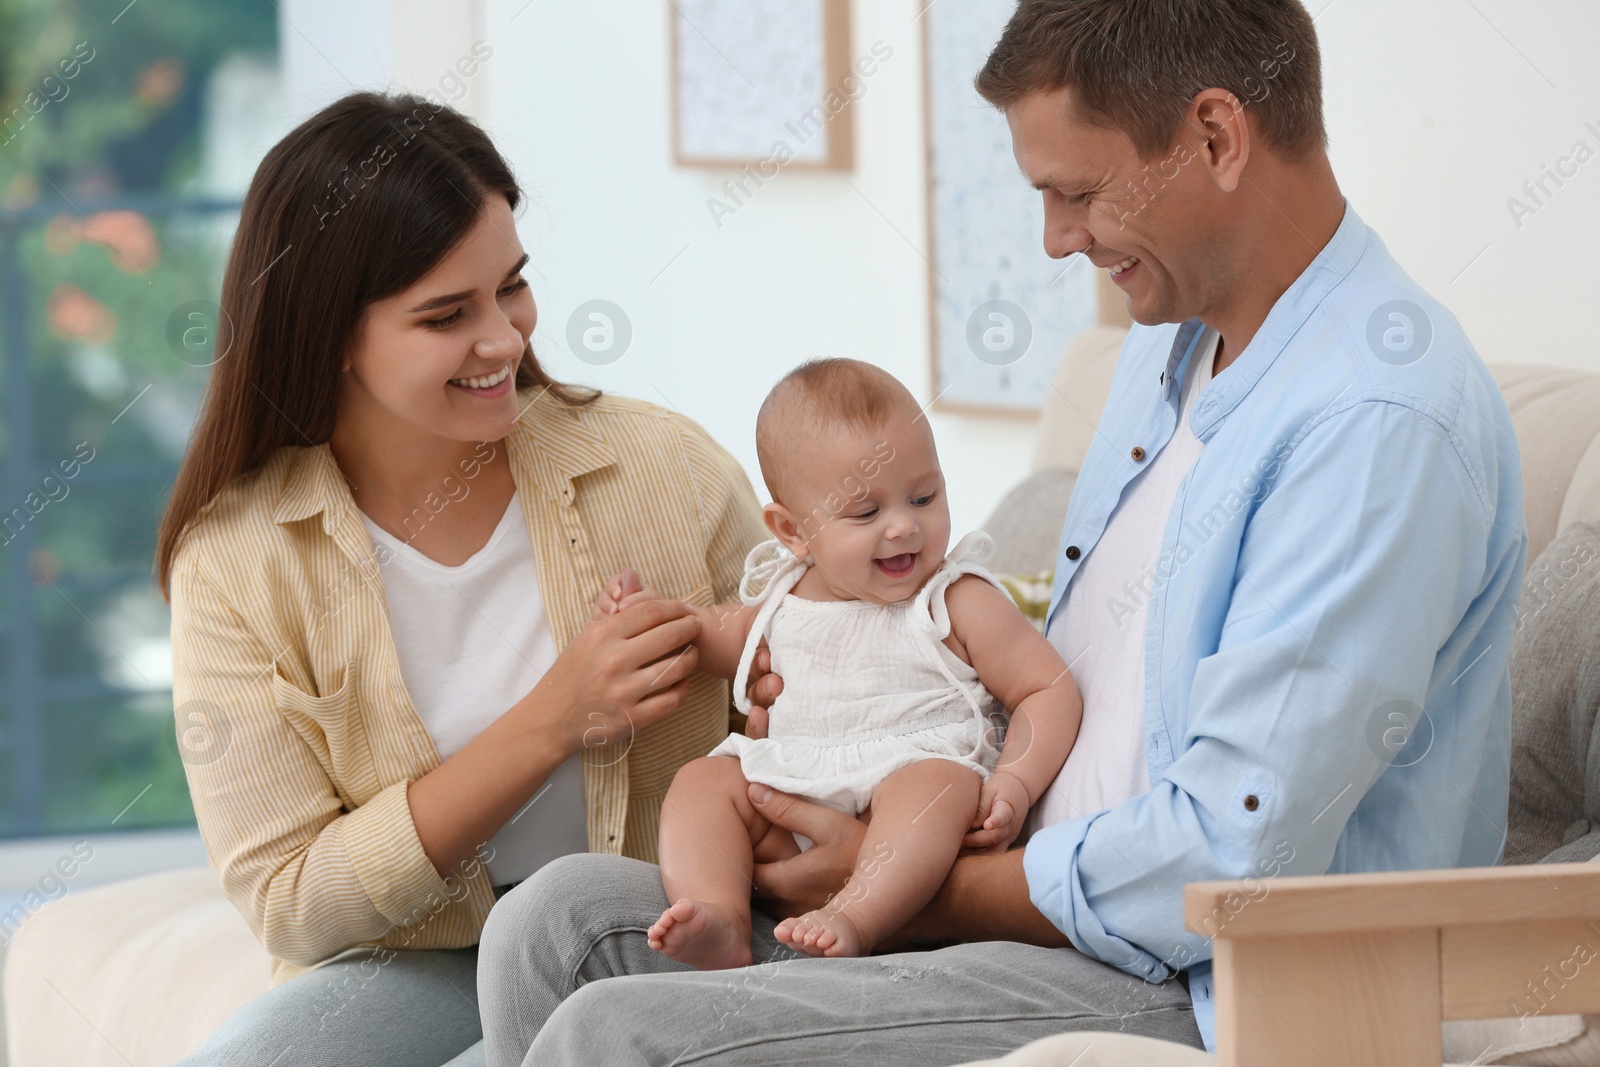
(582,918)
(416,1009)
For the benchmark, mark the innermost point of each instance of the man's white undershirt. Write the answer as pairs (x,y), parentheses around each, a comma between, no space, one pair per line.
(1100,629)
(473,640)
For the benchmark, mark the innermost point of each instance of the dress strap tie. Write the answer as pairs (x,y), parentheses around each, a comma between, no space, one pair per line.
(770,571)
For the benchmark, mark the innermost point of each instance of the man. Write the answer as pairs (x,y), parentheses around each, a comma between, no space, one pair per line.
(1286,588)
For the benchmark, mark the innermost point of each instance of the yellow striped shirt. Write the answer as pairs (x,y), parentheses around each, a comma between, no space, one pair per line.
(298,737)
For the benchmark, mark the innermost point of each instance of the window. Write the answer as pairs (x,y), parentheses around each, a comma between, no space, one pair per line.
(128,133)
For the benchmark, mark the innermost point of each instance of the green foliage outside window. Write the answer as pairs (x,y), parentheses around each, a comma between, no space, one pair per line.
(102,116)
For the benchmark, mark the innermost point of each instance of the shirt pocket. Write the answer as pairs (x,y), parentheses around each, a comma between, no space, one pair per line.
(332,725)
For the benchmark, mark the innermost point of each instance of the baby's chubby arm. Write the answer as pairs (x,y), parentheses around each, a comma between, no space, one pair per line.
(723,627)
(1020,667)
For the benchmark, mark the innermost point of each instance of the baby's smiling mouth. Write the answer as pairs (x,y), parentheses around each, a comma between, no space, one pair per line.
(897,566)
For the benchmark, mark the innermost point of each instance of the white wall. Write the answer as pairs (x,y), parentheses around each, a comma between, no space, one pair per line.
(1438,111)
(812,265)
(329,49)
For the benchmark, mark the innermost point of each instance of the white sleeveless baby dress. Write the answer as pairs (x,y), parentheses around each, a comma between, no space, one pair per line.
(867,688)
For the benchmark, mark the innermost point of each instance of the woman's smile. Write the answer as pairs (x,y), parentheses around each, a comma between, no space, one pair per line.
(490,385)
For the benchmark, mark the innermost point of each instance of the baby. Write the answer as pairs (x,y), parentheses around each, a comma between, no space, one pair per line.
(896,663)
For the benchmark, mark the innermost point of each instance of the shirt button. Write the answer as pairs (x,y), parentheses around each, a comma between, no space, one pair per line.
(1251,803)
(1137,454)
(1072,552)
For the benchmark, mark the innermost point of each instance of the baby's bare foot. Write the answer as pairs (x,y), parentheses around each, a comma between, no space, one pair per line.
(822,933)
(702,935)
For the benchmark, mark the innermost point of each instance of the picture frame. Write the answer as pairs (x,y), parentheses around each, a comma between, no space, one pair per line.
(747,78)
(1001,312)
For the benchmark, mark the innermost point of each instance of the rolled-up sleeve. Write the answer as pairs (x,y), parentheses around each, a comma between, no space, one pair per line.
(310,877)
(1365,552)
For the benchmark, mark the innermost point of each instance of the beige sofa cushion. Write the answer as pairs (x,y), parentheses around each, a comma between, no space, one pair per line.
(1077,396)
(1539,1041)
(134,973)
(1583,496)
(1557,416)
(1026,524)
(1094,1049)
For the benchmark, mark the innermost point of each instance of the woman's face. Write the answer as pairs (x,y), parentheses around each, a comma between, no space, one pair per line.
(468,318)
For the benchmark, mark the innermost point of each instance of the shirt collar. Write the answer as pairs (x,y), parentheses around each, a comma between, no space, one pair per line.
(313,484)
(549,444)
(1330,267)
(552,445)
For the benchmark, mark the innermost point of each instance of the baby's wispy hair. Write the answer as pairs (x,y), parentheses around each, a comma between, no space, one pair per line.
(818,396)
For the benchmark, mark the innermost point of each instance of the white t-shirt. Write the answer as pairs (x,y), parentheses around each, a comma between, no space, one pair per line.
(1100,629)
(473,640)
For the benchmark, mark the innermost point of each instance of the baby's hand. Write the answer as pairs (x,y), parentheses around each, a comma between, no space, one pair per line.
(625,589)
(1002,805)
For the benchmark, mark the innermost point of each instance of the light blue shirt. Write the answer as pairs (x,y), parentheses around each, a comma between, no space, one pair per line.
(1326,644)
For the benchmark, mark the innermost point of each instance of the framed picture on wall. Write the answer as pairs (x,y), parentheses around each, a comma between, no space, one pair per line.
(756,83)
(1001,311)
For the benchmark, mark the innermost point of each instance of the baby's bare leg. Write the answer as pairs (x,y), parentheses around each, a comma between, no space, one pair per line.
(919,816)
(709,831)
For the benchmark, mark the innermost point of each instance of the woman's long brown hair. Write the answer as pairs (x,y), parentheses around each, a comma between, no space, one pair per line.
(355,204)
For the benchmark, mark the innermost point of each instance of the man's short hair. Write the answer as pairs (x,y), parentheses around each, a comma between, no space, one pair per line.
(1136,65)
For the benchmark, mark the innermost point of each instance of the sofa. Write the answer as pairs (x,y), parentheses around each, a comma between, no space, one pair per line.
(139,972)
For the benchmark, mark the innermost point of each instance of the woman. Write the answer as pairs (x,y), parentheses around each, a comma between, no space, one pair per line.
(381,551)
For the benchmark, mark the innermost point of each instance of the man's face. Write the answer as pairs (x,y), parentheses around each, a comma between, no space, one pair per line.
(1148,217)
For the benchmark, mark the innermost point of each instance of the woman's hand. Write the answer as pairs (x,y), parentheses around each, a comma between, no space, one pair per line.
(622,673)
(805,882)
(619,675)
(627,588)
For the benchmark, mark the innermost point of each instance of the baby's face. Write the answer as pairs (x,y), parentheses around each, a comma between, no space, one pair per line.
(870,509)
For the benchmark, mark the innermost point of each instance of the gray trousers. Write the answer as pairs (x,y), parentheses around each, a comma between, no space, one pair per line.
(583,918)
(417,1008)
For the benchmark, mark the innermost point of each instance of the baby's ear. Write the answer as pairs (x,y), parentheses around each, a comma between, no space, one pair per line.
(783,526)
